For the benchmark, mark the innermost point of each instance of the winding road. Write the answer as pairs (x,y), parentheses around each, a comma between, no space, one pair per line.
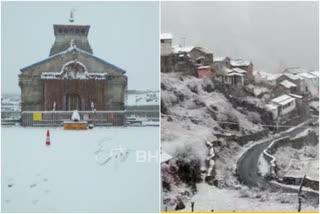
(247,167)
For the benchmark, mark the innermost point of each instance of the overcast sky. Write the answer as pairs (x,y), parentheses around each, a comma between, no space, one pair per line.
(271,34)
(125,34)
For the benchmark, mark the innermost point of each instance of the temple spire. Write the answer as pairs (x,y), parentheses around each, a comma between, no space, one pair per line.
(71,19)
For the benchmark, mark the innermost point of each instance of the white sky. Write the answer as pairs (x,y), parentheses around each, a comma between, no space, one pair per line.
(125,34)
(271,34)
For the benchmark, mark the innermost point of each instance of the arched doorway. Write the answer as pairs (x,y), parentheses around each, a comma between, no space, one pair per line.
(73,102)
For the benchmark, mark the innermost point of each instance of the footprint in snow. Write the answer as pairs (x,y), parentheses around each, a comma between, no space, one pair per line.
(10,185)
(47,191)
(34,202)
(7,201)
(45,179)
(33,185)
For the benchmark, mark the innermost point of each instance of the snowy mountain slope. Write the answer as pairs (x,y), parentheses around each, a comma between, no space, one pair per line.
(194,112)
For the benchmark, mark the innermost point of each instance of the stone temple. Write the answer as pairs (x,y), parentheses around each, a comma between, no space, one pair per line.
(72,78)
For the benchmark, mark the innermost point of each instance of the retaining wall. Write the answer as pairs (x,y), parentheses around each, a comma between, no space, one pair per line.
(296,142)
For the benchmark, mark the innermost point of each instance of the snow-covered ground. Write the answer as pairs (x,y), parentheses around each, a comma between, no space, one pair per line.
(315,104)
(211,198)
(299,162)
(65,176)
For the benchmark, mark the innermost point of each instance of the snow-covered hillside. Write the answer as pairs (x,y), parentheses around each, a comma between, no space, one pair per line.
(195,113)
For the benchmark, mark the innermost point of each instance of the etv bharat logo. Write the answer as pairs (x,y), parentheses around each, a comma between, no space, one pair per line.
(146,156)
(107,153)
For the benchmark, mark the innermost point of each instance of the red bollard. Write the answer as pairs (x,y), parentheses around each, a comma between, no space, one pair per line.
(48,138)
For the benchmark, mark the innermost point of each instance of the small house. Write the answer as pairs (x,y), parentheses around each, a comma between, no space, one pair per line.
(205,72)
(285,104)
(284,87)
(244,65)
(200,55)
(166,43)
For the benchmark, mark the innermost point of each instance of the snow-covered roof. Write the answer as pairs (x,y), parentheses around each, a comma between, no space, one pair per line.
(295,70)
(166,36)
(239,70)
(287,84)
(240,62)
(67,73)
(235,74)
(165,157)
(177,49)
(271,106)
(266,75)
(306,75)
(69,50)
(203,67)
(220,59)
(203,49)
(283,99)
(293,76)
(295,95)
(227,70)
(315,73)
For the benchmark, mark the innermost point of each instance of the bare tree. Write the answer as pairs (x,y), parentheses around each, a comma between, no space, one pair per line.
(300,195)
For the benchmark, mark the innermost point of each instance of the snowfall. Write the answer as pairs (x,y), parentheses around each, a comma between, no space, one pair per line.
(187,106)
(73,174)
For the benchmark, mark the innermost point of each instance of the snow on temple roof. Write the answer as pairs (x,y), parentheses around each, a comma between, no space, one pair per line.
(287,84)
(67,72)
(70,50)
(240,62)
(166,36)
(283,99)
